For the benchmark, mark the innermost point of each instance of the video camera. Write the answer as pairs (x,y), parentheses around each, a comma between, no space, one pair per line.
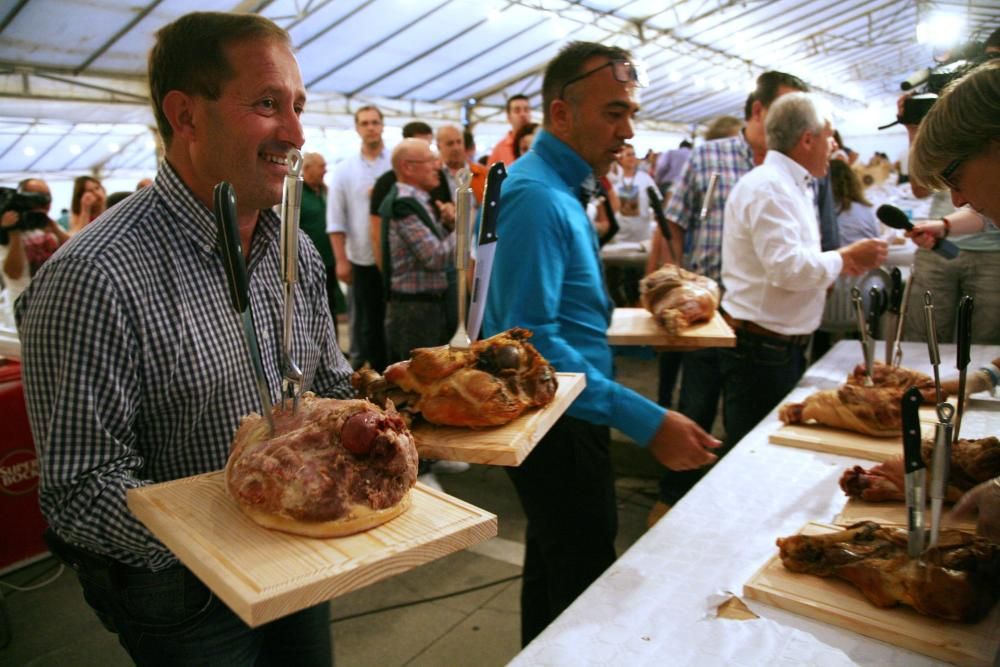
(25,204)
(930,81)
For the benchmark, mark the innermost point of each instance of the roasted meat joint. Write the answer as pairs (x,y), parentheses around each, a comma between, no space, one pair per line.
(334,467)
(491,383)
(957,579)
(679,298)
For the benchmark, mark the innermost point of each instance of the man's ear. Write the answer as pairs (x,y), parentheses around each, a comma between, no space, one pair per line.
(757,110)
(178,107)
(559,114)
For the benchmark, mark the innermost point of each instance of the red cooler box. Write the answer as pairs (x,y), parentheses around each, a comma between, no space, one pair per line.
(21,522)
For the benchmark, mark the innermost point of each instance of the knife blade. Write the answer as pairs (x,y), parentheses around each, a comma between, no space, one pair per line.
(964,339)
(487,247)
(932,344)
(866,347)
(893,308)
(228,239)
(915,470)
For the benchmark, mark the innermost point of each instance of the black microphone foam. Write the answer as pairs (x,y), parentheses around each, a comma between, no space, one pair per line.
(893,217)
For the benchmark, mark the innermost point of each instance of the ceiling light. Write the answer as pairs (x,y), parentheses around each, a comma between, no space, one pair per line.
(941,29)
(113,147)
(29,151)
(75,149)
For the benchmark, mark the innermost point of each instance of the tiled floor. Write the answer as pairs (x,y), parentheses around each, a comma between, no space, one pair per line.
(459,610)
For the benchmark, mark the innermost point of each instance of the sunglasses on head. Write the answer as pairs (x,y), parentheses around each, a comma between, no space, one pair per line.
(624,71)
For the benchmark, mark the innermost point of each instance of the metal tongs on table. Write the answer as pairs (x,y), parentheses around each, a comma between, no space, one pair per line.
(867,344)
(465,209)
(941,457)
(291,206)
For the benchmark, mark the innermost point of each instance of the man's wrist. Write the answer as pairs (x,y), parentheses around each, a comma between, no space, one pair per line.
(947,227)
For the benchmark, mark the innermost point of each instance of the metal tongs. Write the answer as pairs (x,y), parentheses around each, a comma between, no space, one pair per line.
(465,209)
(867,344)
(291,206)
(964,338)
(941,457)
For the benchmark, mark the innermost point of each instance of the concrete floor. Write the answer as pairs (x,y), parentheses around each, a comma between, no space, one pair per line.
(459,610)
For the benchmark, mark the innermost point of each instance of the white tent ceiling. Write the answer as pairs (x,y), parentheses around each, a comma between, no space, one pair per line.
(72,72)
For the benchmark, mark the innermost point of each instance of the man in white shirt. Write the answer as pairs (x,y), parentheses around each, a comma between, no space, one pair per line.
(774,272)
(348,226)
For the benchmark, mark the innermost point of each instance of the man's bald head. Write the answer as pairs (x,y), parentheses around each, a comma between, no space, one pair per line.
(313,170)
(415,164)
(451,146)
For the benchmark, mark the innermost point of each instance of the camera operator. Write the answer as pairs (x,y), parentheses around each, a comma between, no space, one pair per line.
(28,236)
(962,127)
(958,148)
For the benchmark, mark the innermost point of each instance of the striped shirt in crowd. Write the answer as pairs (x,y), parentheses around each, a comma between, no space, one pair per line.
(419,255)
(135,366)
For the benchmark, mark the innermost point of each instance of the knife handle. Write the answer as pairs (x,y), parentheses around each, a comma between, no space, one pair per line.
(910,408)
(656,204)
(896,290)
(228,237)
(964,334)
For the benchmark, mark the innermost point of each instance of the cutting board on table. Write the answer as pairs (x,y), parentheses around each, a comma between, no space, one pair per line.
(636,326)
(893,513)
(839,603)
(265,574)
(830,440)
(506,445)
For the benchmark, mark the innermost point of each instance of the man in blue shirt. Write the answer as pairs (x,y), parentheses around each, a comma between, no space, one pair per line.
(547,277)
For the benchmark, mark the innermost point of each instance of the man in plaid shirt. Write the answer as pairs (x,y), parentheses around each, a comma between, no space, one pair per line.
(417,250)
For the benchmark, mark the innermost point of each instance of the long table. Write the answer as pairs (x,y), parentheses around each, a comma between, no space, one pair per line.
(657,604)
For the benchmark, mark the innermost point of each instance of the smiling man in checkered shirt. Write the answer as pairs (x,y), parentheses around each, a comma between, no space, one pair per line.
(135,368)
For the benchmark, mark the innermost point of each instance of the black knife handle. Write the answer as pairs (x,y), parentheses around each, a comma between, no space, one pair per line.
(228,238)
(964,334)
(896,290)
(656,204)
(912,460)
(491,203)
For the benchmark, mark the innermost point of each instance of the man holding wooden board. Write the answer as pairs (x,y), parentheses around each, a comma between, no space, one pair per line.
(135,370)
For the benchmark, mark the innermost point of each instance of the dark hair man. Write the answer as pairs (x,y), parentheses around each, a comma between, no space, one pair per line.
(518,113)
(547,277)
(134,370)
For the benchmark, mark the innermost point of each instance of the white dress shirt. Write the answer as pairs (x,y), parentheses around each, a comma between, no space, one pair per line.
(773,270)
(348,202)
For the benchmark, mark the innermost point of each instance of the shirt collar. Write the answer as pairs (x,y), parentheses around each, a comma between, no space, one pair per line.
(566,162)
(794,171)
(407,190)
(195,219)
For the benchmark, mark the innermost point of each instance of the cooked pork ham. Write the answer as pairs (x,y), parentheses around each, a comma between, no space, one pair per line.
(972,462)
(957,579)
(332,468)
(491,383)
(678,298)
(869,410)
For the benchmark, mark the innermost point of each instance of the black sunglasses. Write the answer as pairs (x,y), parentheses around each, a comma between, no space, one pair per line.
(624,71)
(948,173)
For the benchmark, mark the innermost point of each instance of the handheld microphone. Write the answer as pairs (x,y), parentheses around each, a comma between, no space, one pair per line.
(895,218)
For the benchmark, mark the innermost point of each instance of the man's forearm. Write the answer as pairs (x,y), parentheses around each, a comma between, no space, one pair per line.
(16,261)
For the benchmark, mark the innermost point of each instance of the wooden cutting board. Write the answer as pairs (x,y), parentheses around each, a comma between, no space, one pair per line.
(846,443)
(506,445)
(636,326)
(265,574)
(839,603)
(893,513)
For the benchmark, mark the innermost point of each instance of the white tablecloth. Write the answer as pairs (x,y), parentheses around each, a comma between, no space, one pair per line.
(657,604)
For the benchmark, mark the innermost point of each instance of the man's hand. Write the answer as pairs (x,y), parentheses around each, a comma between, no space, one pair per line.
(9,219)
(344,274)
(986,499)
(680,444)
(446,214)
(863,256)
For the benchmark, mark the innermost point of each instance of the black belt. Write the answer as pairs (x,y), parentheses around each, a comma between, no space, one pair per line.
(96,565)
(403,297)
(754,329)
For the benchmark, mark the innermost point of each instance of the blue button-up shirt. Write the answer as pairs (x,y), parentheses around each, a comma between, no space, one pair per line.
(547,278)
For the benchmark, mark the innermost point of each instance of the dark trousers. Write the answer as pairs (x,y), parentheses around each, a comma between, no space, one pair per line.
(757,374)
(367,325)
(701,386)
(670,368)
(171,618)
(413,324)
(566,487)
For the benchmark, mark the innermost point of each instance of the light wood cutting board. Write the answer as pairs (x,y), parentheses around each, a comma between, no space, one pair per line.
(893,513)
(265,574)
(636,326)
(506,445)
(839,603)
(846,443)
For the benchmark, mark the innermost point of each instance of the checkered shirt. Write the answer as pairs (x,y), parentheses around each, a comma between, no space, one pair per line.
(731,158)
(135,366)
(419,256)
